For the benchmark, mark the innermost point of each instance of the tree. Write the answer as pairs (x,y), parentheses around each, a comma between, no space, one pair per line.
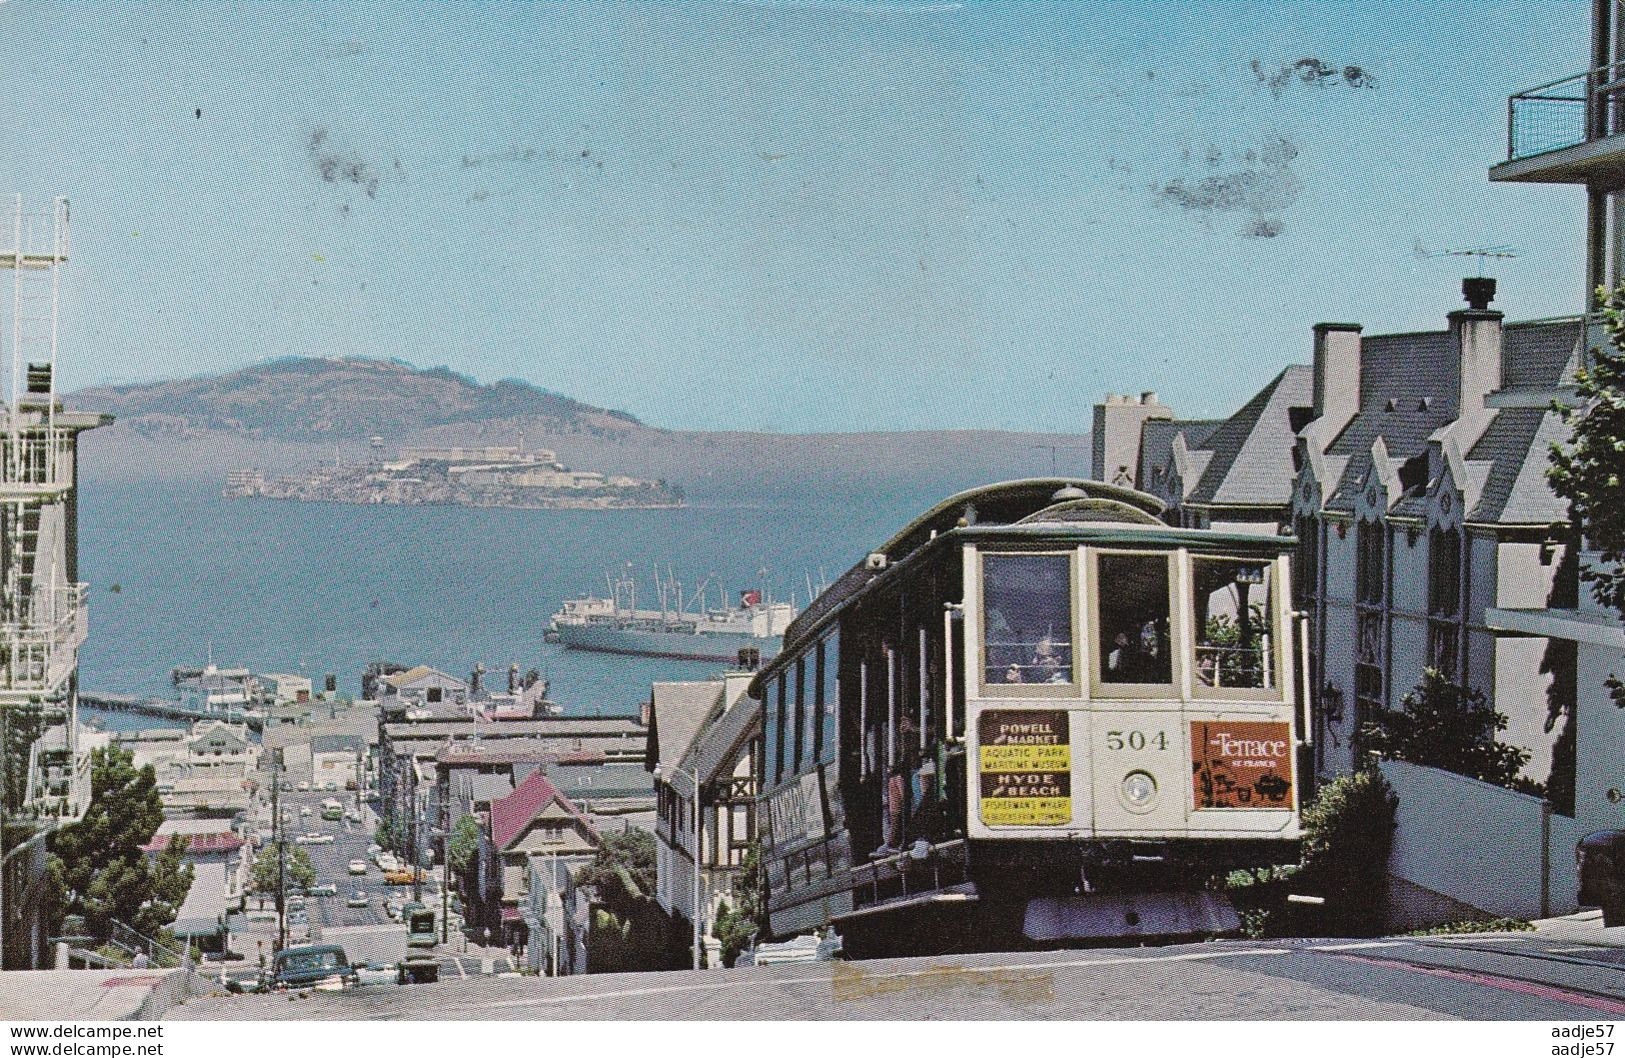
(631,851)
(97,867)
(1589,471)
(464,845)
(298,873)
(628,931)
(737,926)
(1442,725)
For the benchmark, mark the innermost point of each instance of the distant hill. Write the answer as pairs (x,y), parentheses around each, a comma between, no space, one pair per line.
(310,398)
(290,413)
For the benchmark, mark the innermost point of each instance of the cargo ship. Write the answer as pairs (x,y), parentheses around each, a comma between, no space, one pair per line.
(678,629)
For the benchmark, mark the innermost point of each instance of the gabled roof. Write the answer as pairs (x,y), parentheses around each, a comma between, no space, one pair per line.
(1157,444)
(513,814)
(1252,450)
(412,675)
(678,710)
(1515,450)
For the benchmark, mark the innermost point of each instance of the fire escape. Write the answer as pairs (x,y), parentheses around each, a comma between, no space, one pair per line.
(42,610)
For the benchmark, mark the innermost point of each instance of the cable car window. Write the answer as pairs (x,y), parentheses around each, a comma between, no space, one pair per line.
(800,715)
(1234,641)
(776,734)
(1027,619)
(1133,601)
(831,698)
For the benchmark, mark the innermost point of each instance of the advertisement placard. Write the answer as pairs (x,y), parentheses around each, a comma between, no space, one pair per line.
(1025,765)
(1242,765)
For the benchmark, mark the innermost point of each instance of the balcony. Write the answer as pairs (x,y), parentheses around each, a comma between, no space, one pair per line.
(58,780)
(37,656)
(37,462)
(1569,131)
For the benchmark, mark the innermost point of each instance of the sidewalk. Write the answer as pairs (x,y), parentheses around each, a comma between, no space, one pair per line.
(1582,927)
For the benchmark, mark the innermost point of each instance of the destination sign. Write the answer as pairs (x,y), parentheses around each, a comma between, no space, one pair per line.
(1025,765)
(1242,765)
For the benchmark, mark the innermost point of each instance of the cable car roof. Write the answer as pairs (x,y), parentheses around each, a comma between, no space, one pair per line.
(1031,510)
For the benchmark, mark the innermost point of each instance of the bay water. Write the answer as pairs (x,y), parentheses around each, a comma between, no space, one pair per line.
(180,575)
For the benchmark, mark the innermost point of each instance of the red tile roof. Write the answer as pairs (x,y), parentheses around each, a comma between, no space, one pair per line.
(197,844)
(513,813)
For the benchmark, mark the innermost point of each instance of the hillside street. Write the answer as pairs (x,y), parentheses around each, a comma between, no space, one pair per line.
(1546,975)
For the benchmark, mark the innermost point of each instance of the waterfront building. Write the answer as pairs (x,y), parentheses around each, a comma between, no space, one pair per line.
(425,686)
(703,738)
(1571,132)
(281,688)
(46,780)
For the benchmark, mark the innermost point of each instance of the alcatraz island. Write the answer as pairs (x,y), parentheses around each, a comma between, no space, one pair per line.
(470,477)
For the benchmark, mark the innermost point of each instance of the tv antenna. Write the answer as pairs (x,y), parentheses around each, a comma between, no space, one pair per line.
(1053,449)
(1483,253)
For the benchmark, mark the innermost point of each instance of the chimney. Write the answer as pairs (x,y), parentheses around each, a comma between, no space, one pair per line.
(1476,333)
(1337,371)
(1115,445)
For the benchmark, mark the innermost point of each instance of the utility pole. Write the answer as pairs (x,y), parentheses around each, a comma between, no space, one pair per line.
(699,825)
(445,885)
(412,855)
(281,855)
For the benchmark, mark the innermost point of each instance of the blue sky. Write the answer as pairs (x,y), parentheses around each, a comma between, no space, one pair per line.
(781,214)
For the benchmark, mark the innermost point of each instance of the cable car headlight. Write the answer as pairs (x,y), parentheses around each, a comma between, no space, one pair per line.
(1139,790)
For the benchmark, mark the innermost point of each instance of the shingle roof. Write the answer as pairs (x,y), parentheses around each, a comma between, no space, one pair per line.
(1417,375)
(1407,367)
(337,744)
(679,708)
(1539,355)
(1514,448)
(1157,443)
(1252,451)
(511,815)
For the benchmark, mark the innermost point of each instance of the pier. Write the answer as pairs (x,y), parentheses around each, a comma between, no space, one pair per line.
(129,703)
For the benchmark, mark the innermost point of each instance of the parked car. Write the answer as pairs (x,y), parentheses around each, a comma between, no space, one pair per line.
(304,810)
(357,899)
(324,889)
(1601,858)
(358,866)
(375,973)
(322,966)
(303,786)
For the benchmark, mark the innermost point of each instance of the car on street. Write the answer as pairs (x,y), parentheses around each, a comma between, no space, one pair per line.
(315,837)
(304,810)
(375,973)
(1601,860)
(357,899)
(330,785)
(322,966)
(304,786)
(358,866)
(324,889)
(374,849)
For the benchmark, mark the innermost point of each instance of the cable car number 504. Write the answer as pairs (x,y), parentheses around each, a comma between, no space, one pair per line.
(1136,740)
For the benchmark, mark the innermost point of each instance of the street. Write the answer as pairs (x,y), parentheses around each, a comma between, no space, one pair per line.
(366,933)
(1492,976)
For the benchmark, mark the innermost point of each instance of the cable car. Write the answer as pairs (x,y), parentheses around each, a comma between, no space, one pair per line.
(1037,715)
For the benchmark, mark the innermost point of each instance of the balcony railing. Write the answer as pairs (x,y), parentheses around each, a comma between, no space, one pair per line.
(1568,112)
(58,784)
(37,656)
(37,461)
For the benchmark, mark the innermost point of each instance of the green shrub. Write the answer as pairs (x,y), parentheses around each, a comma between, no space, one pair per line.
(1348,831)
(1495,925)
